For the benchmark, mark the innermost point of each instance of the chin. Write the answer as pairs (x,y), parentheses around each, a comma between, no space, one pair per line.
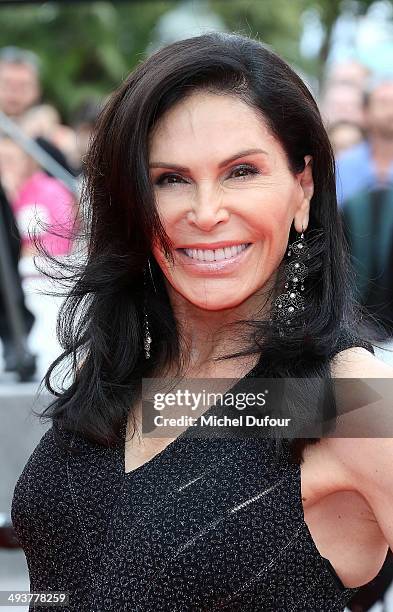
(214,302)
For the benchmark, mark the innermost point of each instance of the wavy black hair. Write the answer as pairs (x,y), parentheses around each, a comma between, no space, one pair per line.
(100,325)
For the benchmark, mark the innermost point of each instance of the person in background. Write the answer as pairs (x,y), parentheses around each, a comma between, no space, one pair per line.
(369,165)
(344,135)
(368,227)
(342,93)
(13,245)
(20,92)
(40,123)
(35,195)
(20,85)
(44,122)
(342,102)
(349,71)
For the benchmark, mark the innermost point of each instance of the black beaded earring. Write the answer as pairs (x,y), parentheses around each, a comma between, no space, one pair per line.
(287,305)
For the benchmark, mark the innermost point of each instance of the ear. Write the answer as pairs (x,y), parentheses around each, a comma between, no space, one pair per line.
(306,183)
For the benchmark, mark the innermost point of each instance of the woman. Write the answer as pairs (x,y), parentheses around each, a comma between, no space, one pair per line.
(209,160)
(42,205)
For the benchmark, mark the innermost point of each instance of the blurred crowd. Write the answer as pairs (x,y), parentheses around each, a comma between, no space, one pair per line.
(36,203)
(31,189)
(357,108)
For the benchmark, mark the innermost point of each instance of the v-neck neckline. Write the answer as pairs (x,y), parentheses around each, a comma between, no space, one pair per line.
(183,435)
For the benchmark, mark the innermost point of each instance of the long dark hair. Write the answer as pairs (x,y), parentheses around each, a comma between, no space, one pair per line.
(100,325)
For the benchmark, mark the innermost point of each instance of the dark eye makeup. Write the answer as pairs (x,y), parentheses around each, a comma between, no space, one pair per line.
(175,179)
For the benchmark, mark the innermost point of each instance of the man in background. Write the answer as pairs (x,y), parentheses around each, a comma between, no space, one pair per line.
(369,165)
(19,81)
(20,94)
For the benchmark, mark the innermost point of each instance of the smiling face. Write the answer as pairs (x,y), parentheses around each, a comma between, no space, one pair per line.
(226,198)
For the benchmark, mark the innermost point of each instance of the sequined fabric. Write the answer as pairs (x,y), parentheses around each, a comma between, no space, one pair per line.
(206,525)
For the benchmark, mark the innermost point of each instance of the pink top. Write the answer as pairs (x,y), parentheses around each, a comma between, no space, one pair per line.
(47,199)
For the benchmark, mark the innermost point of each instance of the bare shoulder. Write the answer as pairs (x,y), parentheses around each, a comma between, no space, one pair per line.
(365,405)
(367,462)
(358,362)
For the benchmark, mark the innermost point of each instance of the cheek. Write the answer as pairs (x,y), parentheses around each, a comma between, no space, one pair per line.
(171,208)
(165,265)
(269,214)
(271,224)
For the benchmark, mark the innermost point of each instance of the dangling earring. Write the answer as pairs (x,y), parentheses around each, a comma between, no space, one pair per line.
(289,303)
(146,330)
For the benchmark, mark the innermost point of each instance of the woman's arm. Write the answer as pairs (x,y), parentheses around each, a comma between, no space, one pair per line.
(369,460)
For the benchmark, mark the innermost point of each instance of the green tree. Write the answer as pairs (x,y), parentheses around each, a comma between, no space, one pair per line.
(279,24)
(329,12)
(86,48)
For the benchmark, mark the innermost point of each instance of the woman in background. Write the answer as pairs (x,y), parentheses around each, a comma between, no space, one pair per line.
(43,206)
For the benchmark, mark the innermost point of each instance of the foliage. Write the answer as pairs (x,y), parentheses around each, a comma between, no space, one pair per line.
(87,48)
(279,24)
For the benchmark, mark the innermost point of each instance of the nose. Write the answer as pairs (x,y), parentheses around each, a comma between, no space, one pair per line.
(207,208)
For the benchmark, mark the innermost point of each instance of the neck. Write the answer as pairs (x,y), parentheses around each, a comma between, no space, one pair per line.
(205,334)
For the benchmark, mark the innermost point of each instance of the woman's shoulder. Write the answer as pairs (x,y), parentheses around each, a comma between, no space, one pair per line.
(359,362)
(363,386)
(42,456)
(39,481)
(46,462)
(348,338)
(362,446)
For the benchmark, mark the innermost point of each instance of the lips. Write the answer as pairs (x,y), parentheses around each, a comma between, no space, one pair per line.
(218,254)
(206,262)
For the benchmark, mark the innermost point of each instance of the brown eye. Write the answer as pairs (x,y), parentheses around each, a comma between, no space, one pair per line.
(169,179)
(244,171)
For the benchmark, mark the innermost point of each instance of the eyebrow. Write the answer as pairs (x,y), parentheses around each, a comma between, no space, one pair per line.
(220,165)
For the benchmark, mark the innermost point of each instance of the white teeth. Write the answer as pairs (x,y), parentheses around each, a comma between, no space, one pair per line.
(219,254)
(215,254)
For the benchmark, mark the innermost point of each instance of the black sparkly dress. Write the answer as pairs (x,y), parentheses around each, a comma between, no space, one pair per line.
(205,525)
